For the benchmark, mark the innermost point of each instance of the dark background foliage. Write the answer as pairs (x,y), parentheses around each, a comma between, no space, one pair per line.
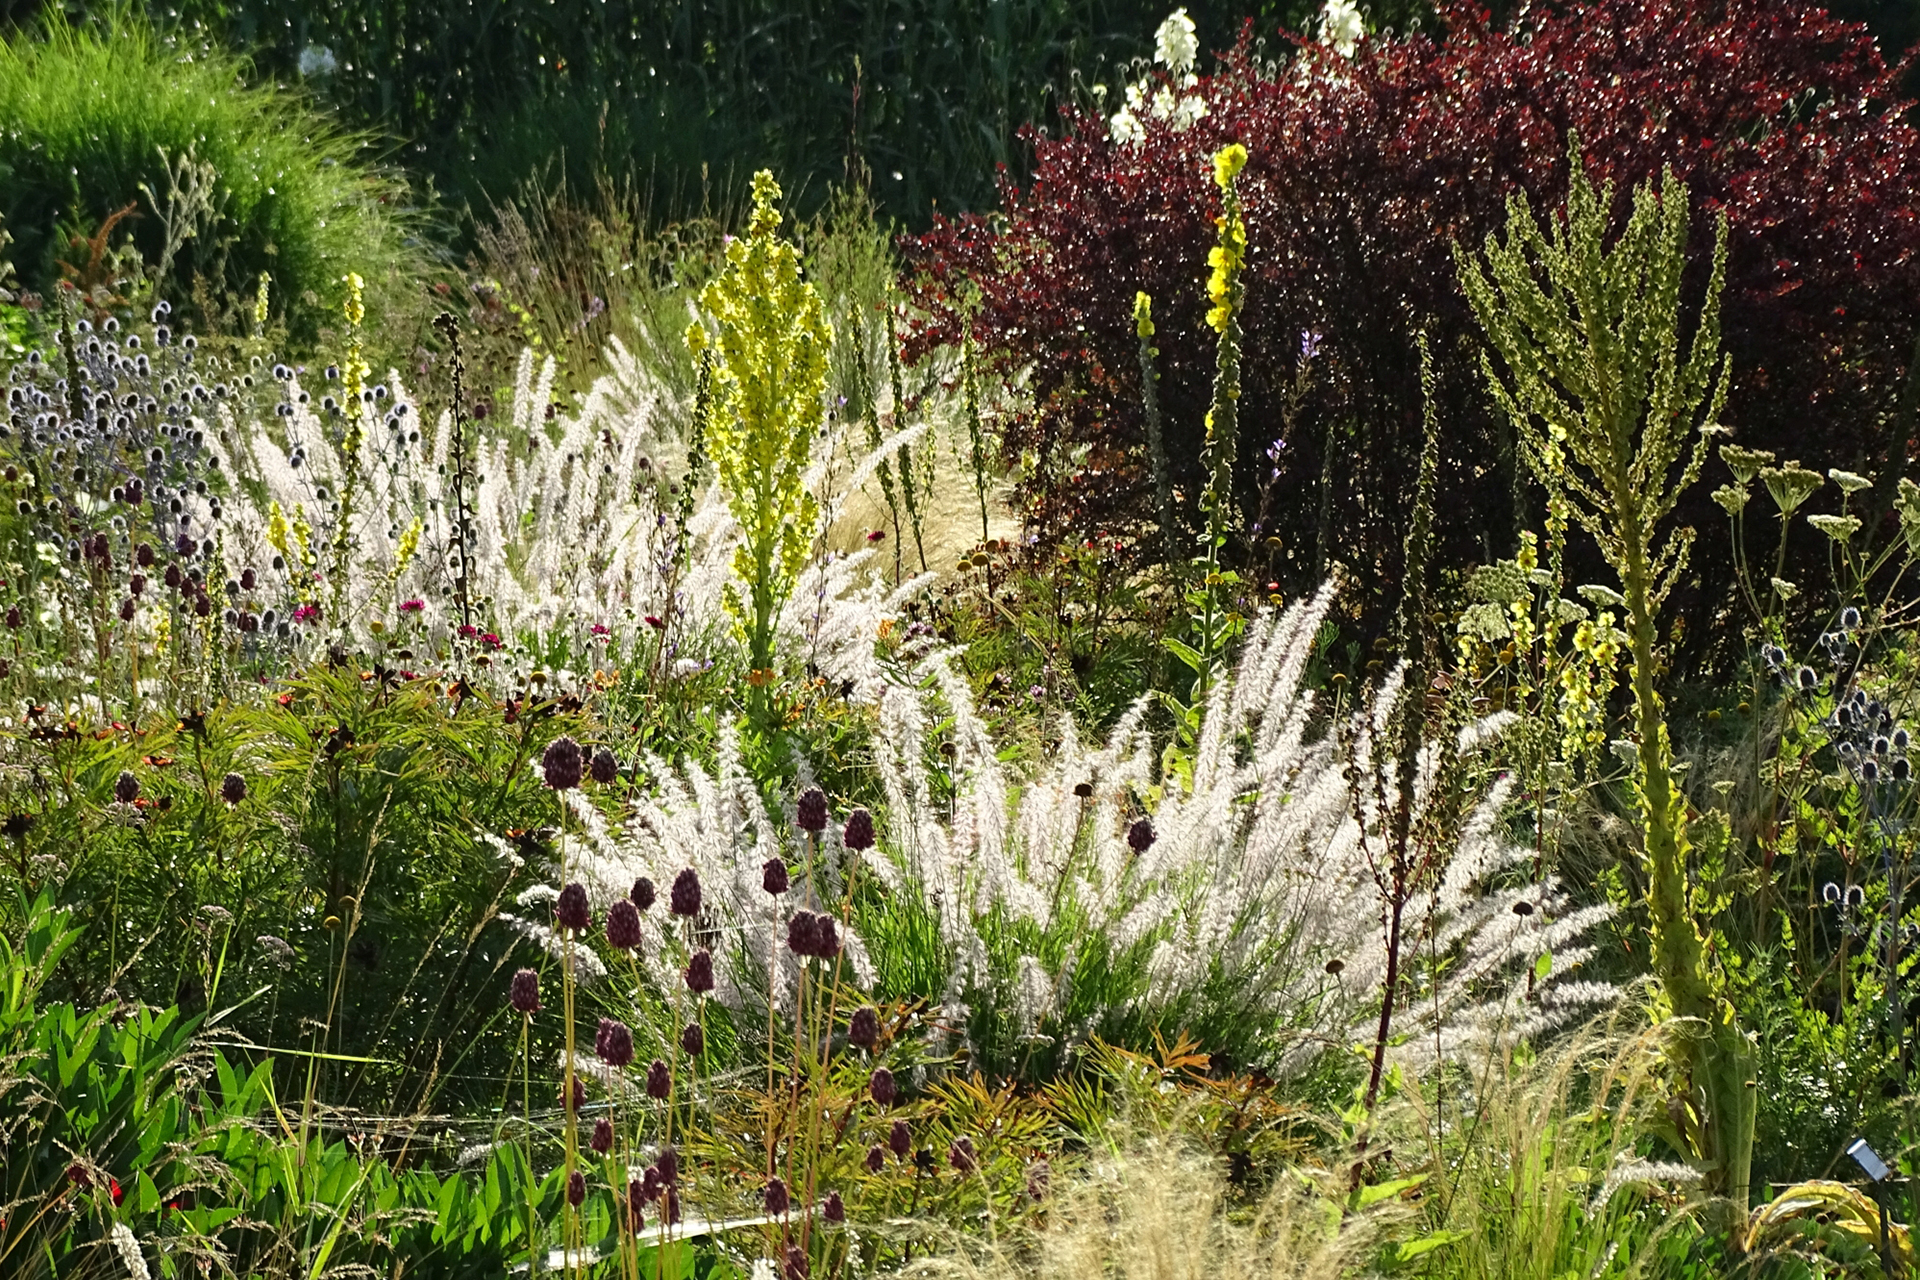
(1363,176)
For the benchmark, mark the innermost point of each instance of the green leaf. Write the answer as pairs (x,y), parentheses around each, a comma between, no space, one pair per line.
(1185,652)
(1543,967)
(1386,1190)
(1412,1249)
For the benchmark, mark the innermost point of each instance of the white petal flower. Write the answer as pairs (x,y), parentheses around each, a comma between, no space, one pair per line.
(1341,27)
(1176,45)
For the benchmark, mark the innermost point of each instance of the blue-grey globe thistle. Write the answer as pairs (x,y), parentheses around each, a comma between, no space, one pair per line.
(773,876)
(604,769)
(233,788)
(900,1139)
(802,934)
(126,788)
(623,925)
(811,812)
(876,1158)
(774,1196)
(1140,835)
(643,894)
(524,994)
(576,1188)
(961,1156)
(563,763)
(881,1086)
(699,974)
(835,1209)
(659,1081)
(614,1043)
(602,1139)
(693,1040)
(863,1028)
(859,831)
(570,911)
(685,898)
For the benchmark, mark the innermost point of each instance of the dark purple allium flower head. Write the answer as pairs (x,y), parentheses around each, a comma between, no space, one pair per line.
(233,788)
(571,910)
(668,1163)
(859,832)
(643,894)
(636,1215)
(882,1087)
(563,763)
(602,1140)
(650,1184)
(524,994)
(1140,835)
(863,1028)
(576,1188)
(623,925)
(126,788)
(876,1158)
(614,1043)
(811,812)
(961,1156)
(773,876)
(685,899)
(603,769)
(693,1039)
(826,937)
(803,934)
(900,1139)
(579,1094)
(835,1209)
(796,1268)
(659,1080)
(775,1198)
(699,973)
(670,1206)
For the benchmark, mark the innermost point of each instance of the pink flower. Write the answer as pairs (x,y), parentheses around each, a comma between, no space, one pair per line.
(412,606)
(307,613)
(468,631)
(599,629)
(490,640)
(653,620)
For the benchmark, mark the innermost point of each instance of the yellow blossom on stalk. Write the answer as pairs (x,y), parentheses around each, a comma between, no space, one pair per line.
(277,528)
(409,543)
(1143,315)
(1229,254)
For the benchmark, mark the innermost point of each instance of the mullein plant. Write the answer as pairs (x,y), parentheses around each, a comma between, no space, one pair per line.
(1150,405)
(1616,415)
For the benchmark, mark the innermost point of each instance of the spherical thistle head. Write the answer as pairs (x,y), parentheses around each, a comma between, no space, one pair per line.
(863,1028)
(773,877)
(876,1158)
(126,788)
(623,925)
(900,1139)
(524,994)
(643,894)
(699,973)
(604,769)
(774,1196)
(693,1040)
(685,898)
(802,933)
(835,1209)
(613,1043)
(571,912)
(826,932)
(960,1155)
(602,1139)
(796,1268)
(810,814)
(233,788)
(563,763)
(859,831)
(1140,835)
(659,1081)
(881,1086)
(576,1188)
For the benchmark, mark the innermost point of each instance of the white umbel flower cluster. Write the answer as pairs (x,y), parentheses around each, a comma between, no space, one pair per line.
(1173,97)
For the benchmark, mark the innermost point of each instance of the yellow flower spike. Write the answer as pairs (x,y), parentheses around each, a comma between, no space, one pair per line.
(1227,164)
(1142,315)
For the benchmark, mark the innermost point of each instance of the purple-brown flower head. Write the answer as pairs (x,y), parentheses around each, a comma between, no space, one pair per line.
(863,1028)
(859,832)
(571,912)
(876,1158)
(579,1094)
(233,788)
(961,1156)
(1039,1180)
(882,1087)
(614,1043)
(826,936)
(524,994)
(604,769)
(685,899)
(775,1198)
(803,934)
(576,1188)
(650,1184)
(693,1039)
(643,894)
(636,1214)
(773,876)
(126,788)
(563,763)
(796,1268)
(602,1140)
(670,1206)
(900,1139)
(1140,835)
(699,973)
(623,925)
(659,1081)
(668,1163)
(835,1209)
(811,813)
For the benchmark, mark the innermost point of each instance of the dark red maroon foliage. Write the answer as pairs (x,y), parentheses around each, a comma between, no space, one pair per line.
(1363,175)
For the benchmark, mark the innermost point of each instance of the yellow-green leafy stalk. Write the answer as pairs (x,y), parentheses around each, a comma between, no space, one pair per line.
(773,339)
(1612,409)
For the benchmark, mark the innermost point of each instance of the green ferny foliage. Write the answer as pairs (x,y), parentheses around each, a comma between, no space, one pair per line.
(773,340)
(1615,418)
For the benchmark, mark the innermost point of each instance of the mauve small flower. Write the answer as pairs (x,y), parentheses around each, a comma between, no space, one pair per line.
(636,1217)
(775,1197)
(1140,835)
(524,994)
(863,1028)
(882,1087)
(126,788)
(699,974)
(693,1039)
(826,935)
(643,894)
(960,1155)
(811,812)
(562,763)
(623,925)
(685,898)
(571,909)
(900,1140)
(603,769)
(835,1209)
(773,876)
(803,934)
(659,1080)
(876,1158)
(668,1163)
(576,1188)
(602,1139)
(233,788)
(614,1043)
(859,832)
(796,1263)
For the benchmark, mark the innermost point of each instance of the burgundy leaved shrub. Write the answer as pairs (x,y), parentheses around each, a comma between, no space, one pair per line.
(1364,173)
